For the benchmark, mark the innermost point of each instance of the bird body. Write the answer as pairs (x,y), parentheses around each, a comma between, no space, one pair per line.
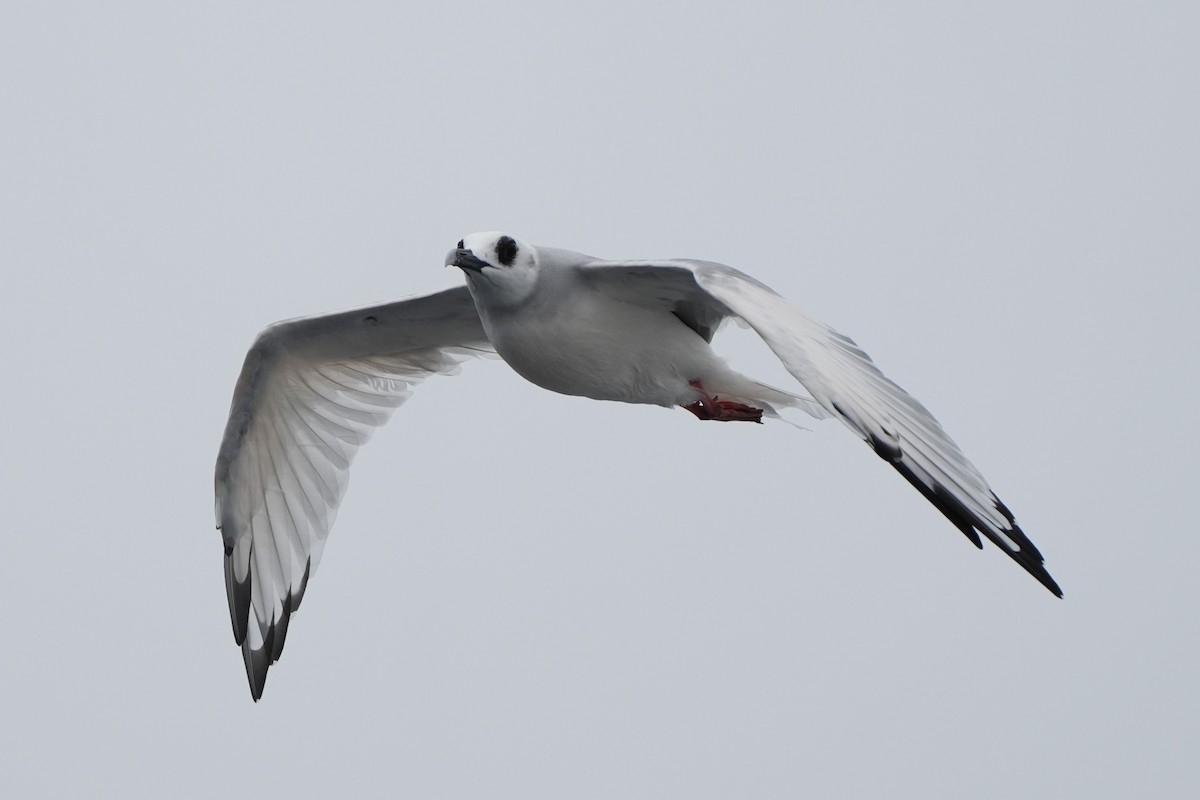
(596,346)
(312,390)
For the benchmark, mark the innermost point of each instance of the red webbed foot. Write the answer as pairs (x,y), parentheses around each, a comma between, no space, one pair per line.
(714,408)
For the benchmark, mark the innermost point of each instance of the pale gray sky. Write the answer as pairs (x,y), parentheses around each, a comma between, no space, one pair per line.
(529,595)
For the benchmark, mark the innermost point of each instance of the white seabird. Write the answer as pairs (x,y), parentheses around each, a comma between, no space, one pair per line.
(313,389)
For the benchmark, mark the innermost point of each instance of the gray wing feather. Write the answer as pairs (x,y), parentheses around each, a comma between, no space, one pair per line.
(311,392)
(662,284)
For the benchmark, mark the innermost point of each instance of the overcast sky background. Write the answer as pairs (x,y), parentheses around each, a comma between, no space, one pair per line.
(530,595)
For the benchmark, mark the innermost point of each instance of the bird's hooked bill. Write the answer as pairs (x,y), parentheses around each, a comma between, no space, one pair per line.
(465,259)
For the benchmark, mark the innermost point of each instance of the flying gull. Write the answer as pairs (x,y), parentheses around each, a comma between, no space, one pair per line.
(312,391)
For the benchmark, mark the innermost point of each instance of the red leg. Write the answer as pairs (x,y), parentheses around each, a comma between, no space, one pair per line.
(722,410)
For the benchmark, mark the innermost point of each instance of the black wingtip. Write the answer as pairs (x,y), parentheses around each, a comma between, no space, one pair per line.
(257,662)
(274,634)
(1027,556)
(888,451)
(1026,553)
(280,629)
(1038,571)
(303,585)
(238,595)
(951,508)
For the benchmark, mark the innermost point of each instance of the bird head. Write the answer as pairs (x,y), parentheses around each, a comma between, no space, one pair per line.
(498,266)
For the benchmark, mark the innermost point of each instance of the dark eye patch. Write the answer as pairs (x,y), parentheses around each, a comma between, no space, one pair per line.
(460,244)
(506,250)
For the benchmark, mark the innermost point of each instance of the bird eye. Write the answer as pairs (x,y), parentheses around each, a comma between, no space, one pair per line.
(506,250)
(460,244)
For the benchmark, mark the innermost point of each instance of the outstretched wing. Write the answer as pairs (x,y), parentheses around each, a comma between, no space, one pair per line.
(311,392)
(844,380)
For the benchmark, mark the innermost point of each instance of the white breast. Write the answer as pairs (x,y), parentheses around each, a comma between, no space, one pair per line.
(605,349)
